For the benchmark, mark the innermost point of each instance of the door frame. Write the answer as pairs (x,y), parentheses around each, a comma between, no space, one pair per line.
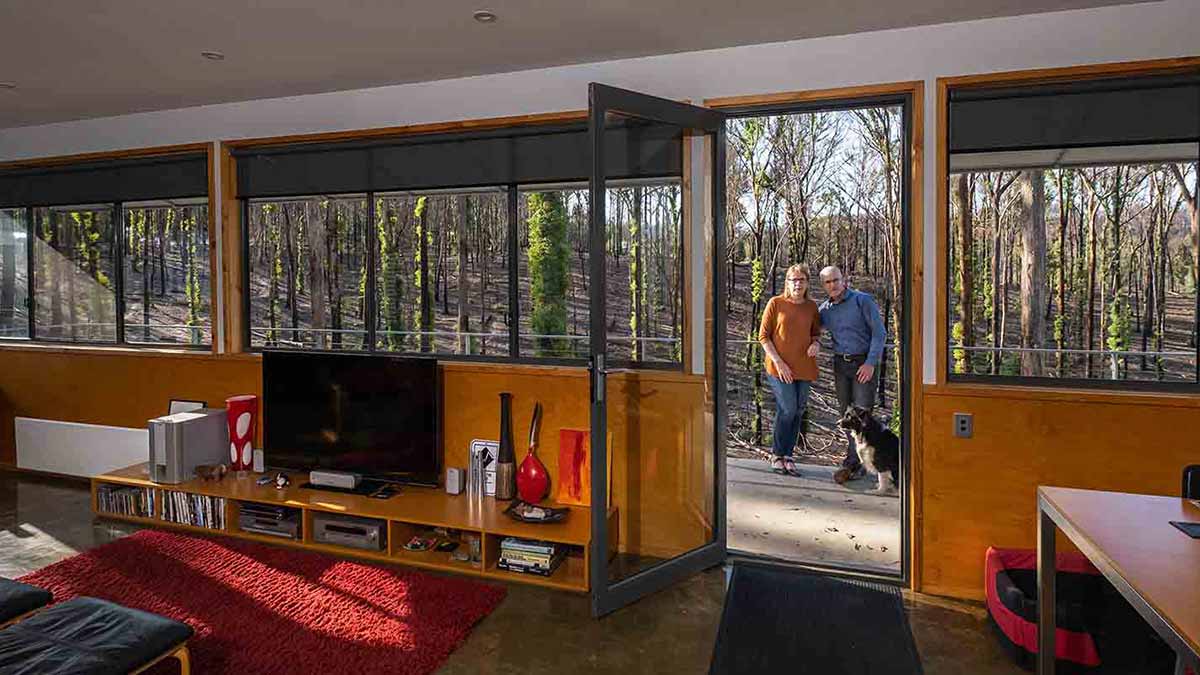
(603,99)
(912,94)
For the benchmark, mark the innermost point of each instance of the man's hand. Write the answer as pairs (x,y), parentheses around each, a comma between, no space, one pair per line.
(785,373)
(865,372)
(814,349)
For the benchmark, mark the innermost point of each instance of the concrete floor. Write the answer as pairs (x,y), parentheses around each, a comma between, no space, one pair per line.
(810,518)
(534,630)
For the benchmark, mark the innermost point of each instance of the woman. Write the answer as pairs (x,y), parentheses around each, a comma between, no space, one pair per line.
(790,335)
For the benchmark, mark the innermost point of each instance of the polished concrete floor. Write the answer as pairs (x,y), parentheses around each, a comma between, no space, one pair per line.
(534,630)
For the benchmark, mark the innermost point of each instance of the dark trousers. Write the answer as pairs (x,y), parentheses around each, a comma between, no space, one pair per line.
(851,391)
(790,402)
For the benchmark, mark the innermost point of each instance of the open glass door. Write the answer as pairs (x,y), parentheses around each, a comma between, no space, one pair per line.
(657,394)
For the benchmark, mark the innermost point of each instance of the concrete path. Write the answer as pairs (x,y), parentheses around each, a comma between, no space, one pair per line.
(810,518)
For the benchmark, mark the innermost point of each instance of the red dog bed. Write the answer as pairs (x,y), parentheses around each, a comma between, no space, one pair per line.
(1011,580)
(1096,630)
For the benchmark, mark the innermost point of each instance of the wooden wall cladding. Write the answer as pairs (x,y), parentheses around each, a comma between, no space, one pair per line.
(118,388)
(981,491)
(656,429)
(660,423)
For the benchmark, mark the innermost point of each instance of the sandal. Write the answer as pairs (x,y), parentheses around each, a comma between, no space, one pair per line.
(789,467)
(777,466)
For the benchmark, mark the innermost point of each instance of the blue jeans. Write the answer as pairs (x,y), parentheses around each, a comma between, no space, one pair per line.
(790,402)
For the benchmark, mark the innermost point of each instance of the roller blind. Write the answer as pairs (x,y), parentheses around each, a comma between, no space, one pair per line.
(501,157)
(1144,119)
(166,177)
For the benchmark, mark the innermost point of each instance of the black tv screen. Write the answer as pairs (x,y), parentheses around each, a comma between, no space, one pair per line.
(376,415)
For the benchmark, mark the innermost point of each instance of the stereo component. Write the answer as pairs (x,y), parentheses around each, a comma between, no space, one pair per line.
(337,479)
(369,534)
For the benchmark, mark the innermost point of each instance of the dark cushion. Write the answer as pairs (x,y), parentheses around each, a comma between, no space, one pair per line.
(17,598)
(87,636)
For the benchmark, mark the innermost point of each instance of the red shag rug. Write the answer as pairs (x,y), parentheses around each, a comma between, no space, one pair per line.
(260,610)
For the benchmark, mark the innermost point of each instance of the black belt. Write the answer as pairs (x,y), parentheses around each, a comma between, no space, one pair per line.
(849,357)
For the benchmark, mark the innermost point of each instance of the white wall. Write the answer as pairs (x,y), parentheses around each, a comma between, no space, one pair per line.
(1123,33)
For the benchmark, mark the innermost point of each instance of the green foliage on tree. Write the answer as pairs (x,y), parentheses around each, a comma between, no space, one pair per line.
(548,259)
(959,355)
(392,283)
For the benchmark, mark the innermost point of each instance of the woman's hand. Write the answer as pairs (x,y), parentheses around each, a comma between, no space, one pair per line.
(814,349)
(785,373)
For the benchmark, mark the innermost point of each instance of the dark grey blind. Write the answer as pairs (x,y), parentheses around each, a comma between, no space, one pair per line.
(1125,111)
(167,177)
(501,157)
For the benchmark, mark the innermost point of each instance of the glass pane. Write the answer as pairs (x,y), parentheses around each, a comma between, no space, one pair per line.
(166,273)
(552,231)
(73,274)
(14,275)
(1081,272)
(308,272)
(644,307)
(660,423)
(442,272)
(818,189)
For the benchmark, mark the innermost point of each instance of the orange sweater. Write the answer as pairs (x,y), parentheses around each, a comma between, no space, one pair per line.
(791,328)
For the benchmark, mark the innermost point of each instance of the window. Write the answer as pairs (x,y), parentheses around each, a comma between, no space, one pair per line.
(442,271)
(165,271)
(108,252)
(1072,241)
(463,244)
(307,265)
(74,287)
(14,275)
(552,237)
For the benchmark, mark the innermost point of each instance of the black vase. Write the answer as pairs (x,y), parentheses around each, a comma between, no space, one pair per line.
(506,458)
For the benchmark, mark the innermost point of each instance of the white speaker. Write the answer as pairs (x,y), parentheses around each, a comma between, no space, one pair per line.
(454,481)
(259,466)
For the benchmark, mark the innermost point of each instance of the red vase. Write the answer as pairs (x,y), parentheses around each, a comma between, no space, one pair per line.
(533,481)
(242,412)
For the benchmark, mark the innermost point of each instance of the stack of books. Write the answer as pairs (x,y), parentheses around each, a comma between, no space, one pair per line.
(126,501)
(195,510)
(530,557)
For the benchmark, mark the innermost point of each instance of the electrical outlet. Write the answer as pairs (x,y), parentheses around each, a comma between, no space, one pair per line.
(964,425)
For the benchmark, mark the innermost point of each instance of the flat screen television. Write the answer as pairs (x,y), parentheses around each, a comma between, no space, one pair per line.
(375,415)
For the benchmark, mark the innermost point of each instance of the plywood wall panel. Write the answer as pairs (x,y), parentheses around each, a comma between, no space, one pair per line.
(982,491)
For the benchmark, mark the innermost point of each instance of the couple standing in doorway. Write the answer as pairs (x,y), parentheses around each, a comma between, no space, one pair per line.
(790,335)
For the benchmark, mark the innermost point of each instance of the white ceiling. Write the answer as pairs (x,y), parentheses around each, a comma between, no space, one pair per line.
(76,59)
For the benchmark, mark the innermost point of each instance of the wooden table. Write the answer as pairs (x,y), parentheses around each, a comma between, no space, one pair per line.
(1130,539)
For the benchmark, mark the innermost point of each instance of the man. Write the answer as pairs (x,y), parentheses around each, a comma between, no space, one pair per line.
(857,331)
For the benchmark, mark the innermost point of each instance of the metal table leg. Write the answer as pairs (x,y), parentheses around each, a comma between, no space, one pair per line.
(1046,577)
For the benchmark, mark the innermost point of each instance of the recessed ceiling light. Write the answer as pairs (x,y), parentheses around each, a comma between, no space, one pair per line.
(485,16)
(213,56)
(8,85)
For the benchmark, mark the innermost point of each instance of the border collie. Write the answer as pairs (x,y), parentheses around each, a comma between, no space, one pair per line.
(878,447)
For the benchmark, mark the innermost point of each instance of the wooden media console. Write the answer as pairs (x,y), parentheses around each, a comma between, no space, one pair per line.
(412,511)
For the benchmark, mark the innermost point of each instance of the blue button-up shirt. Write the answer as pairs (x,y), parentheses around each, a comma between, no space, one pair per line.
(855,325)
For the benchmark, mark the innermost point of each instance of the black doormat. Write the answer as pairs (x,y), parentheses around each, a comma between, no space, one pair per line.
(785,621)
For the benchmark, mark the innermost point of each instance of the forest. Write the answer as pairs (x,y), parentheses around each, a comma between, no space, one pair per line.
(1075,272)
(165,273)
(442,272)
(822,188)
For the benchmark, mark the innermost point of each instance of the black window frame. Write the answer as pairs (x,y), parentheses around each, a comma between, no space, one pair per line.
(513,192)
(946,348)
(117,209)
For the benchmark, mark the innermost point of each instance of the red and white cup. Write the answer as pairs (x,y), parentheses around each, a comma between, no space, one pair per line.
(242,412)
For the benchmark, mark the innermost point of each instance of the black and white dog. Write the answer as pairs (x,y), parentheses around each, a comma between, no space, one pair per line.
(878,447)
